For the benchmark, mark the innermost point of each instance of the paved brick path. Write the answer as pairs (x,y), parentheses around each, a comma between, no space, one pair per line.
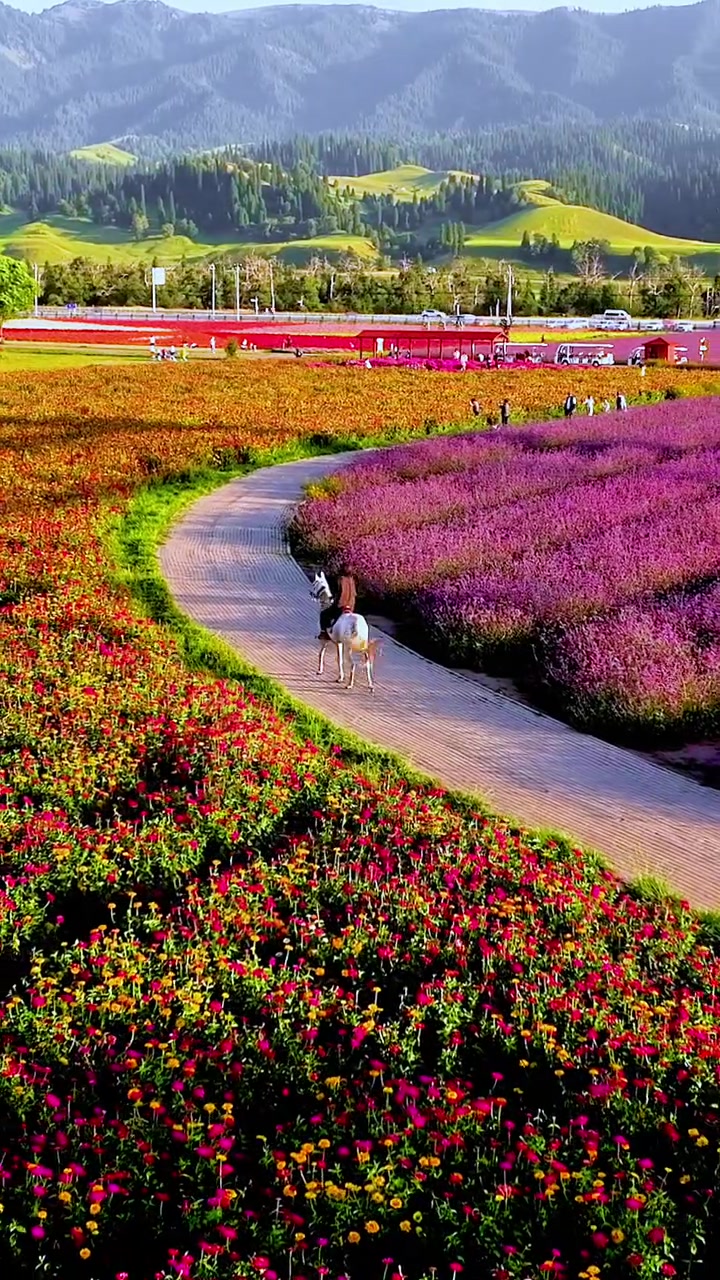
(229,568)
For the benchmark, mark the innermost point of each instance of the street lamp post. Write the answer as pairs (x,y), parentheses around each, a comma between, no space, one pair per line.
(237,290)
(212,306)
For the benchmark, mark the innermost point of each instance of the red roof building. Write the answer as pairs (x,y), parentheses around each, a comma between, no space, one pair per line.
(435,344)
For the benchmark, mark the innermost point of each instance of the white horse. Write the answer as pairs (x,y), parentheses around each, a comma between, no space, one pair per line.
(350,635)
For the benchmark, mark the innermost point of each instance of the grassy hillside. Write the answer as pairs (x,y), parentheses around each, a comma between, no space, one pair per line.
(403,181)
(104,153)
(59,239)
(546,216)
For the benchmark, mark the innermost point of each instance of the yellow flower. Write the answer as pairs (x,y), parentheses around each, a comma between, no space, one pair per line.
(84,1254)
(396,1203)
(372,1227)
(94,1209)
(323,1144)
(702,1142)
(617,1236)
(353,1237)
(405,1225)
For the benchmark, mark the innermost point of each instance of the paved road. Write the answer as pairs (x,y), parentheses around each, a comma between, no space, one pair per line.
(228,566)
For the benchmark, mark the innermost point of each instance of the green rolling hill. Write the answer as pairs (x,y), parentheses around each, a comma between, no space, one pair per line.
(59,239)
(546,216)
(104,153)
(402,182)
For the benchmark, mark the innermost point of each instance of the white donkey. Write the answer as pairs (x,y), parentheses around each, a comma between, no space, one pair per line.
(350,635)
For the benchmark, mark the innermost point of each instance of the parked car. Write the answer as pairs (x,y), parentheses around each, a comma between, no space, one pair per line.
(612,319)
(683,326)
(431,314)
(651,326)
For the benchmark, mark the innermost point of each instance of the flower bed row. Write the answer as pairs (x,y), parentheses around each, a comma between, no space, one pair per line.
(261,1016)
(582,558)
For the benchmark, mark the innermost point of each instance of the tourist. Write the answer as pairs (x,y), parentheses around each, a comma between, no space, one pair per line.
(505,412)
(213,343)
(463,362)
(344,596)
(185,352)
(475,406)
(590,406)
(606,406)
(620,402)
(570,405)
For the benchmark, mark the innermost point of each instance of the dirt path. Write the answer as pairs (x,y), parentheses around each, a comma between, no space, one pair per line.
(229,568)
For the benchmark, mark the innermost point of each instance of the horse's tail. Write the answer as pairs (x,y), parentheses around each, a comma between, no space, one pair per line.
(374,650)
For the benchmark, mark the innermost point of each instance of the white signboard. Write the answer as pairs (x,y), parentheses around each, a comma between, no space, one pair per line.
(158,275)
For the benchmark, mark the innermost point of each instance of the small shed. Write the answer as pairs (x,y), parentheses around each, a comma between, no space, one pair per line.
(663,349)
(437,344)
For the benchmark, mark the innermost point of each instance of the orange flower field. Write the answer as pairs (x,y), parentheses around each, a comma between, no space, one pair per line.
(261,1016)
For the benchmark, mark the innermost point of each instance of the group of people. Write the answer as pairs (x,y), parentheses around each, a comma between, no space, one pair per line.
(571,404)
(168,353)
(476,410)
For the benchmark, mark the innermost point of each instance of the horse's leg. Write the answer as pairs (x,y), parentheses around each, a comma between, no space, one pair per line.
(341,668)
(321,654)
(369,671)
(351,661)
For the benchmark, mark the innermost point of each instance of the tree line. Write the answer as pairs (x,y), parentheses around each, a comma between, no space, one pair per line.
(655,288)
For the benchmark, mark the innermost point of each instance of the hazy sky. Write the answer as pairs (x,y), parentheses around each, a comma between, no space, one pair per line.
(219,6)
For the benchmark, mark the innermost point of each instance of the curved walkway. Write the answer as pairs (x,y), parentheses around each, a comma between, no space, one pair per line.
(228,566)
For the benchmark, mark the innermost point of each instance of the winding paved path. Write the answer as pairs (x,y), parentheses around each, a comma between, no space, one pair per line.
(229,568)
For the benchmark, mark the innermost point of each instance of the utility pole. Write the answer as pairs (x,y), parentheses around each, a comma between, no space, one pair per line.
(212,272)
(237,290)
(256,303)
(272,287)
(36,274)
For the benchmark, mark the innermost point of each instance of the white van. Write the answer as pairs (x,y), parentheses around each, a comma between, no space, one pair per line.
(612,320)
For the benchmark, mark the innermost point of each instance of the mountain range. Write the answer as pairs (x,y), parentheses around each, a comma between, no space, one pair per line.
(86,72)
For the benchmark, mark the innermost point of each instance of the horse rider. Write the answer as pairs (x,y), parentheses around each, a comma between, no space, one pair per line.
(343,602)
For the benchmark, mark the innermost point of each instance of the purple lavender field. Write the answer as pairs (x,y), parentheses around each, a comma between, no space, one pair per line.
(581,558)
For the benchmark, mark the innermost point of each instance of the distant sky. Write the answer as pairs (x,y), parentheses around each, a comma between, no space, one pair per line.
(409,6)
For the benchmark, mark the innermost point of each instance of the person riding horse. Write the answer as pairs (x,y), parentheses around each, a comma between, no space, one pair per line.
(344,597)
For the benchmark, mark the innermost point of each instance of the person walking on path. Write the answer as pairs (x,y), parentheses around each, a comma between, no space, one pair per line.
(590,406)
(505,412)
(213,344)
(185,351)
(606,406)
(620,402)
(475,406)
(570,405)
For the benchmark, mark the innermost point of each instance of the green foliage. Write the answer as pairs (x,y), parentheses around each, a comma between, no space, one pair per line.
(17,288)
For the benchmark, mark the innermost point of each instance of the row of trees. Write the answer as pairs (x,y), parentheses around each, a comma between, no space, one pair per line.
(351,284)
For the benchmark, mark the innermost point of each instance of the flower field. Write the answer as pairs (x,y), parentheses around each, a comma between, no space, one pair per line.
(582,558)
(263,1017)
